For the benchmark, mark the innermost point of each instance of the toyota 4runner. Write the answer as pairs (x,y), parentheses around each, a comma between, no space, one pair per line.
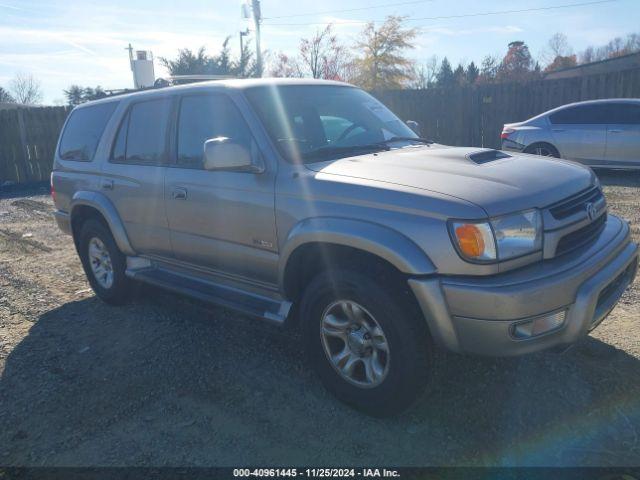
(310,202)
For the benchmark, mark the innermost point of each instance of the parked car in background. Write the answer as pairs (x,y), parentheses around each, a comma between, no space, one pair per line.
(598,133)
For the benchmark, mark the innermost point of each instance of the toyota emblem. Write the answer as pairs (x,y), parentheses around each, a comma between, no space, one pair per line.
(591,210)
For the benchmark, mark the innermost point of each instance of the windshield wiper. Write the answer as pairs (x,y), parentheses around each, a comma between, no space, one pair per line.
(426,141)
(330,150)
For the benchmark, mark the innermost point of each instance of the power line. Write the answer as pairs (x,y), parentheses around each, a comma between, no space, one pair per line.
(465,15)
(349,9)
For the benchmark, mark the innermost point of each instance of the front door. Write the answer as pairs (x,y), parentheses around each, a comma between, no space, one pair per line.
(580,132)
(221,220)
(623,134)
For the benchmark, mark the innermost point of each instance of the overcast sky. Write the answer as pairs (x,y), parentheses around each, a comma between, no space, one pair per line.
(64,42)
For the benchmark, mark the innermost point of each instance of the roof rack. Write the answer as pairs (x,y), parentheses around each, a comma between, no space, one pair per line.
(169,82)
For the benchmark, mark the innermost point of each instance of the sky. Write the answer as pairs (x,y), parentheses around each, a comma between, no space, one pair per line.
(65,42)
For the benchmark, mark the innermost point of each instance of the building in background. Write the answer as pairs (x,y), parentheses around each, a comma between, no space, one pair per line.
(142,67)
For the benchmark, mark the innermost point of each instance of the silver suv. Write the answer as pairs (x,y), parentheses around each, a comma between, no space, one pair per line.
(310,202)
(598,133)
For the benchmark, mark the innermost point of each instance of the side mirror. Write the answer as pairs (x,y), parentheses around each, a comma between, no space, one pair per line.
(222,153)
(415,126)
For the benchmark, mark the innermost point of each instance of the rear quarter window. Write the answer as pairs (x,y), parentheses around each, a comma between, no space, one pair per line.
(83,131)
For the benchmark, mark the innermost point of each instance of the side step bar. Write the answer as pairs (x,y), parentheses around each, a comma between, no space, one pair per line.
(245,302)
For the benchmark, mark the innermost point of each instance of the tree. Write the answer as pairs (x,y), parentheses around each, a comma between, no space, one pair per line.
(615,48)
(382,62)
(489,69)
(445,77)
(472,73)
(459,77)
(189,62)
(517,64)
(424,74)
(285,67)
(322,56)
(561,62)
(76,94)
(25,89)
(559,45)
(5,97)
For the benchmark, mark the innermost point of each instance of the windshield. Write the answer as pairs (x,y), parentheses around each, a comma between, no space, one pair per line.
(317,122)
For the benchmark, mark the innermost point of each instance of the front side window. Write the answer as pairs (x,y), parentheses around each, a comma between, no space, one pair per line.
(203,117)
(624,114)
(83,131)
(315,122)
(142,137)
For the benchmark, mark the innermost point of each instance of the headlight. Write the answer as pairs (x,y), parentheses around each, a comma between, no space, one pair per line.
(501,238)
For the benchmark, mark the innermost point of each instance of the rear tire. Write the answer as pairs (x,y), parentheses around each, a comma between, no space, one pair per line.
(543,149)
(365,377)
(103,263)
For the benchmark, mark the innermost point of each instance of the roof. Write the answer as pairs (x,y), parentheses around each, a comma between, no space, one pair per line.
(236,83)
(621,62)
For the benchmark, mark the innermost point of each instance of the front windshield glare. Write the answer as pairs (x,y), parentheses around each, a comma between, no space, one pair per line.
(318,122)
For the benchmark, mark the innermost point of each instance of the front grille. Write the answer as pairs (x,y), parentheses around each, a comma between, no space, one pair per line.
(567,207)
(582,236)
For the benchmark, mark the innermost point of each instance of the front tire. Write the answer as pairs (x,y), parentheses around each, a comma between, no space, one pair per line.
(367,341)
(103,263)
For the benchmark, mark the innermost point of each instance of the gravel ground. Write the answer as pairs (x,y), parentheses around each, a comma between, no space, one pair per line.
(169,381)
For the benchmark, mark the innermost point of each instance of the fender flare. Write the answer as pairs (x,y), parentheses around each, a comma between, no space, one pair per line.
(384,242)
(103,205)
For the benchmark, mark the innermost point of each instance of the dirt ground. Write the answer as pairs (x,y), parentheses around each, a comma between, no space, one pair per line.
(169,381)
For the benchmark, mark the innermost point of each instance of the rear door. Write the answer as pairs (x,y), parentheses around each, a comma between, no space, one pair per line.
(221,220)
(623,134)
(133,178)
(580,132)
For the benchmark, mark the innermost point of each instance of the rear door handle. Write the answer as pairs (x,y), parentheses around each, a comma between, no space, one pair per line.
(615,130)
(107,184)
(558,129)
(179,193)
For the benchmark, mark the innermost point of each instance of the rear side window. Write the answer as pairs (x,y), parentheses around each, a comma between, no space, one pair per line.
(207,116)
(142,137)
(581,115)
(83,131)
(624,114)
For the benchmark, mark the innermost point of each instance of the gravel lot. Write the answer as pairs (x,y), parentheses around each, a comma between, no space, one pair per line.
(169,381)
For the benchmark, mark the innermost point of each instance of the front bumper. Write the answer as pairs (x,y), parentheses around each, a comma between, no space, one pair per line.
(478,314)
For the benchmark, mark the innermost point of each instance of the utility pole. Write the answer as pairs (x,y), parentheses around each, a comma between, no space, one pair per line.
(257,18)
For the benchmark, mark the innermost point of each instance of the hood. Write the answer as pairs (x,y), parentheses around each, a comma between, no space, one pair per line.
(498,182)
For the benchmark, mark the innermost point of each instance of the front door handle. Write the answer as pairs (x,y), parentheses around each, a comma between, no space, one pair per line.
(615,130)
(179,193)
(107,184)
(558,129)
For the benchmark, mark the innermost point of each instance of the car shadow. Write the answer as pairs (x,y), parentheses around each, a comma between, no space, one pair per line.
(168,381)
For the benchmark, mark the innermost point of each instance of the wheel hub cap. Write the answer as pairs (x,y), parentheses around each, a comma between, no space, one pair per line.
(355,344)
(100,262)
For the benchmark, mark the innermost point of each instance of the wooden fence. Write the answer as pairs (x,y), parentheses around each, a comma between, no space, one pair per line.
(28,138)
(471,116)
(474,116)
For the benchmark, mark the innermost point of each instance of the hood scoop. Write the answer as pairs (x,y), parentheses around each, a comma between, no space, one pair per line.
(486,156)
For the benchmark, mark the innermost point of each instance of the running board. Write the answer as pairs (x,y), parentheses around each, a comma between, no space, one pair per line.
(245,302)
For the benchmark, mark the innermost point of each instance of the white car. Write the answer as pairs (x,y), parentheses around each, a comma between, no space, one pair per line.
(598,133)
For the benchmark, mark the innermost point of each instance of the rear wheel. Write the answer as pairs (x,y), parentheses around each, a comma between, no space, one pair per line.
(543,149)
(370,349)
(103,263)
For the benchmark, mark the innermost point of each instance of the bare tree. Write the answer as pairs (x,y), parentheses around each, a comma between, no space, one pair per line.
(424,74)
(284,66)
(559,45)
(26,89)
(322,56)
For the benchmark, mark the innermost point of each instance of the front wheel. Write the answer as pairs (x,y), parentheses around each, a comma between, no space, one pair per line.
(367,342)
(543,149)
